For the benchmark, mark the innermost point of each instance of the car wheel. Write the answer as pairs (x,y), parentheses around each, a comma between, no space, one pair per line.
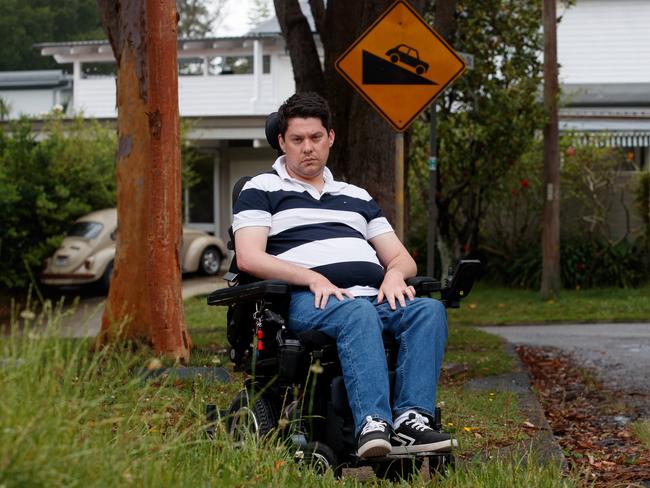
(419,70)
(210,261)
(394,58)
(105,280)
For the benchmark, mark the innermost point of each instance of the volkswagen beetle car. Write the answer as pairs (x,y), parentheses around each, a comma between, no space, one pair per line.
(86,254)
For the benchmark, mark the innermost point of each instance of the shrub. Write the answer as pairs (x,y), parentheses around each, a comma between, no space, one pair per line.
(46,185)
(589,255)
(642,202)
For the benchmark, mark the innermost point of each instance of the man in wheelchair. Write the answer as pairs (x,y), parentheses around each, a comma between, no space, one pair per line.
(329,239)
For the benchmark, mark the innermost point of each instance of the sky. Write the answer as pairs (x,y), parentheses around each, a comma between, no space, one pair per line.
(236,21)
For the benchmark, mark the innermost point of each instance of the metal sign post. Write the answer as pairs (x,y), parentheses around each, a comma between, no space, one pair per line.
(433,183)
(399,185)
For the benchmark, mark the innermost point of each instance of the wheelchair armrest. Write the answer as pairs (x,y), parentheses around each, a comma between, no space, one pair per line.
(424,285)
(250,291)
(460,282)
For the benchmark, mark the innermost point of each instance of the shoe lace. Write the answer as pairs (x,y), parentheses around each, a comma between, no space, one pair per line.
(419,422)
(373,425)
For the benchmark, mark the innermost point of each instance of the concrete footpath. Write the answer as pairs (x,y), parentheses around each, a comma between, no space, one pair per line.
(619,353)
(85,319)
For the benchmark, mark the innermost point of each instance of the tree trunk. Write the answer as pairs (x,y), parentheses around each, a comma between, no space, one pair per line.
(551,281)
(297,34)
(145,300)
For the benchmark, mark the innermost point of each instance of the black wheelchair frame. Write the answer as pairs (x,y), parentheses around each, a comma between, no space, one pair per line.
(294,382)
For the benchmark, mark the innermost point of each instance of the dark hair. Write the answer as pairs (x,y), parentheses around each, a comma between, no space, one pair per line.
(304,105)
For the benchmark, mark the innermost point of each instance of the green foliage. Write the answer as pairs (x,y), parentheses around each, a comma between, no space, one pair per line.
(74,418)
(642,201)
(590,189)
(489,117)
(199,18)
(24,23)
(46,185)
(583,264)
(259,11)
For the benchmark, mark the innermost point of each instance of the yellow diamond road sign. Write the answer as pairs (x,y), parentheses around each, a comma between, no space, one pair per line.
(400,64)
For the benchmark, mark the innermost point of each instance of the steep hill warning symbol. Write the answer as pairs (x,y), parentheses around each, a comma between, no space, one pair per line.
(395,67)
(400,64)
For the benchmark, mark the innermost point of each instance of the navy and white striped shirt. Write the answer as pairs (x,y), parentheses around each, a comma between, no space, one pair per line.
(327,232)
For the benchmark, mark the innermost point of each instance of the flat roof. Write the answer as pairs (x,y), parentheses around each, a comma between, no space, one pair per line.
(606,94)
(34,79)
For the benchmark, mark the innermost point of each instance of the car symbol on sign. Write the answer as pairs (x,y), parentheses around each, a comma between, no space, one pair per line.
(407,55)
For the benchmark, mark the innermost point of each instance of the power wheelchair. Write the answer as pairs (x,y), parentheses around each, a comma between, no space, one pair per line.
(294,382)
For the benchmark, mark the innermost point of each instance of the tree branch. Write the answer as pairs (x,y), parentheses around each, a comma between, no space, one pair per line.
(318,12)
(307,71)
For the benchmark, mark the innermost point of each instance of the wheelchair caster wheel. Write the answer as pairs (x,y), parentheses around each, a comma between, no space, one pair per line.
(319,457)
(399,469)
(439,463)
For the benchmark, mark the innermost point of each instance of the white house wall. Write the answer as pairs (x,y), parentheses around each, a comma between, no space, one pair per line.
(605,41)
(221,95)
(29,102)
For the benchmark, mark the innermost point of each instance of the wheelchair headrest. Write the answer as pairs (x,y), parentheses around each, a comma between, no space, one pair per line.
(272,130)
(237,188)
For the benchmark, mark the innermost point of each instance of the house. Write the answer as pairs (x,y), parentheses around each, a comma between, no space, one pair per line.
(228,85)
(34,93)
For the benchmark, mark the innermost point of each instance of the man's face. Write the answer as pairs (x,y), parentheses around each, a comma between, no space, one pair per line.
(306,145)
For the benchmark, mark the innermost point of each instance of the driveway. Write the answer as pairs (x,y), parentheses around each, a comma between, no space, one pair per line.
(620,353)
(85,319)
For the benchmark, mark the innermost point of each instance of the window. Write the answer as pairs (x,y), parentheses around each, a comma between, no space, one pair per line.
(87,230)
(236,65)
(101,69)
(190,66)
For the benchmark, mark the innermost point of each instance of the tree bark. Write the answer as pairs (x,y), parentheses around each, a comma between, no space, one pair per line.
(145,300)
(364,150)
(551,281)
(307,72)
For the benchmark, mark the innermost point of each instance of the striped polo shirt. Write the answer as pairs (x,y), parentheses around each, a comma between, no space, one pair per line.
(327,232)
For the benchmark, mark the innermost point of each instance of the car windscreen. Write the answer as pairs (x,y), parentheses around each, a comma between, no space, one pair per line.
(87,230)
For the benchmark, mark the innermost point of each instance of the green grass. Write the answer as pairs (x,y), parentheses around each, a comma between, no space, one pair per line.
(69,417)
(642,431)
(495,305)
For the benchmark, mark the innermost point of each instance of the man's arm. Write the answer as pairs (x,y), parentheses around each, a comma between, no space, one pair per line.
(399,266)
(252,258)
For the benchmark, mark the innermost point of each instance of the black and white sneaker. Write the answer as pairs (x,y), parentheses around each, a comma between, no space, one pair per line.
(374,439)
(413,434)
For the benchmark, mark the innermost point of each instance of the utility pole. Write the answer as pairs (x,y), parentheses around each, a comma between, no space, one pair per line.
(551,281)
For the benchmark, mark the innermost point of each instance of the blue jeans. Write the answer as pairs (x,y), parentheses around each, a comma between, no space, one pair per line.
(357,324)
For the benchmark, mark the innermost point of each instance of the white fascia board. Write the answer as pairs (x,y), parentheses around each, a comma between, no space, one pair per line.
(226,133)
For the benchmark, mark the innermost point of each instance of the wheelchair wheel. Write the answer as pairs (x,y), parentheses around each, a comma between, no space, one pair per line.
(439,464)
(401,469)
(251,416)
(321,458)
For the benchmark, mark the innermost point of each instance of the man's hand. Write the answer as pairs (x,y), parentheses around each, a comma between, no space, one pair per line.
(393,288)
(322,288)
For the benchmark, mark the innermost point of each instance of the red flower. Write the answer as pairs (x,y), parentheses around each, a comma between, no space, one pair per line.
(524,183)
